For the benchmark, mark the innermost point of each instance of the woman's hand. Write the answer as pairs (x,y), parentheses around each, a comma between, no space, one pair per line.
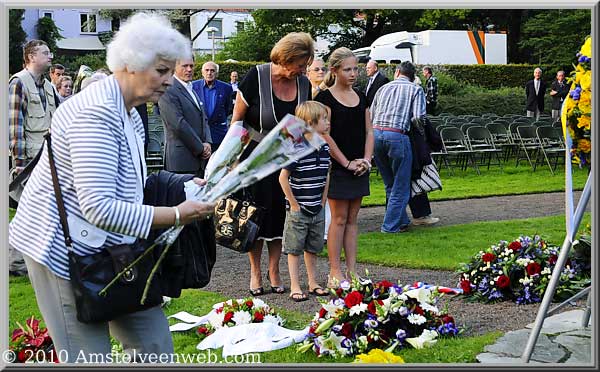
(191,210)
(363,166)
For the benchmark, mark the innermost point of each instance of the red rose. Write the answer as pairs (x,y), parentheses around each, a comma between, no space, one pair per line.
(465,284)
(488,257)
(346,330)
(228,317)
(249,303)
(258,317)
(22,356)
(515,246)
(385,284)
(448,319)
(552,260)
(418,310)
(219,310)
(353,298)
(533,268)
(312,329)
(372,308)
(203,330)
(503,281)
(322,312)
(339,292)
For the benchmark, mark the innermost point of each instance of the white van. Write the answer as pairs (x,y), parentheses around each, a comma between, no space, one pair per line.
(437,47)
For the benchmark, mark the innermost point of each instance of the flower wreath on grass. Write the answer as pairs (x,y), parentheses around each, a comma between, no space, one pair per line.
(520,271)
(32,343)
(362,316)
(576,113)
(235,312)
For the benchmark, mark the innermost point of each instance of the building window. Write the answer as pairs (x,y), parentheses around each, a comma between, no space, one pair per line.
(88,22)
(239,26)
(218,23)
(48,15)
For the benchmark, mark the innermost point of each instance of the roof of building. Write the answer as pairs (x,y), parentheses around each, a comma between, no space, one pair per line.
(80,43)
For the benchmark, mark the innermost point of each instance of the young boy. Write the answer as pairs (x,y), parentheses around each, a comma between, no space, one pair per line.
(305,185)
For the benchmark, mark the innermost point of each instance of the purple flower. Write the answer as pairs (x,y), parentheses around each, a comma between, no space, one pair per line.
(448,329)
(400,335)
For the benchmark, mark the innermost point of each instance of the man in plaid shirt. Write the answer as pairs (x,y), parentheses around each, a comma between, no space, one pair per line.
(31,105)
(431,90)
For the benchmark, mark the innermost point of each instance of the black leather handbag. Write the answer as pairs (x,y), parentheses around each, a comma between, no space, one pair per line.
(90,274)
(237,222)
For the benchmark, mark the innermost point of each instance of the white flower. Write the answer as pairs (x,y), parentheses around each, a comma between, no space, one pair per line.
(500,272)
(229,302)
(242,317)
(416,319)
(345,285)
(357,309)
(420,294)
(258,303)
(431,308)
(403,311)
(216,320)
(275,319)
(332,309)
(491,282)
(332,344)
(240,301)
(426,339)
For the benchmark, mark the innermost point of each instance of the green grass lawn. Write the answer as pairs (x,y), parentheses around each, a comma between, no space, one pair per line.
(494,182)
(444,247)
(22,305)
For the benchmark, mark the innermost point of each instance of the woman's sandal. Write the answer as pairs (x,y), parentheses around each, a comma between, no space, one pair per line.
(257,291)
(276,289)
(298,296)
(318,291)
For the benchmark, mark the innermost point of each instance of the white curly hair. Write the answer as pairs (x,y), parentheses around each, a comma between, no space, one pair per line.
(142,39)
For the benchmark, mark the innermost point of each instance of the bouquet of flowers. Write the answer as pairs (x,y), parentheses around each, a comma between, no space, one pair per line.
(363,316)
(32,343)
(237,312)
(576,113)
(289,141)
(519,271)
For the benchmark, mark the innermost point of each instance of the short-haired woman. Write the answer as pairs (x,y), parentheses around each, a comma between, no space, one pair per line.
(267,93)
(97,141)
(64,87)
(351,145)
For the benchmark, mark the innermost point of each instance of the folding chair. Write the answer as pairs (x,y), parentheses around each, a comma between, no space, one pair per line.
(481,142)
(529,145)
(502,139)
(455,145)
(552,145)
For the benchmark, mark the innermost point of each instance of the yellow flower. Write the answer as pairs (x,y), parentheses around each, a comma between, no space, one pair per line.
(586,80)
(586,49)
(378,356)
(584,145)
(584,122)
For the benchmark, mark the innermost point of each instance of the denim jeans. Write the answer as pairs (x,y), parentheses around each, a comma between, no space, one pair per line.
(393,156)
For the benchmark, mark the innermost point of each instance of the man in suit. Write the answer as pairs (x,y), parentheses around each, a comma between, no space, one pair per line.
(535,90)
(187,135)
(216,97)
(559,92)
(431,90)
(376,81)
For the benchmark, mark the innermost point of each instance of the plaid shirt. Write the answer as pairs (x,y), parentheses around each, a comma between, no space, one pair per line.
(397,103)
(17,109)
(431,90)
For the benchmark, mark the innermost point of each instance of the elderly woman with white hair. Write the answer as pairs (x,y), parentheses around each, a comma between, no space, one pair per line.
(97,141)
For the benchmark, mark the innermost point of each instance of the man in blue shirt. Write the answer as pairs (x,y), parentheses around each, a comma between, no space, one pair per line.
(216,98)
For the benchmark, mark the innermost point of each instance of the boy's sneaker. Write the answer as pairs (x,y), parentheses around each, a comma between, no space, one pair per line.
(427,220)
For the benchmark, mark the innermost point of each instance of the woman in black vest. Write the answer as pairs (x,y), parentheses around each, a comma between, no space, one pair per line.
(267,93)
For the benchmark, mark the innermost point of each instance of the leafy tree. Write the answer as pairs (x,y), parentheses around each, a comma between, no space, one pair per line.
(48,31)
(254,43)
(554,36)
(16,40)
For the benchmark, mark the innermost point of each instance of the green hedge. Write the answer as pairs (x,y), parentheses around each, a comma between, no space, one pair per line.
(497,76)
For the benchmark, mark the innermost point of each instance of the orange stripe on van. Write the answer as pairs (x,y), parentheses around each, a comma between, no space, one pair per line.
(477,39)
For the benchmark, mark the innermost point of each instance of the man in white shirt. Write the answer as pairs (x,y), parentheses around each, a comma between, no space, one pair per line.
(535,90)
(376,81)
(187,135)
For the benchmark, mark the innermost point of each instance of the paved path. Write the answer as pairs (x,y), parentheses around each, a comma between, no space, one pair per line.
(562,339)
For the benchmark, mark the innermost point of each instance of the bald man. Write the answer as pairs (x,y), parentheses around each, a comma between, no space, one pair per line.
(216,98)
(376,81)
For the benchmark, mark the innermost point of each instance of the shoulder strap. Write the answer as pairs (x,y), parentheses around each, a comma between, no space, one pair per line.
(59,200)
(265,91)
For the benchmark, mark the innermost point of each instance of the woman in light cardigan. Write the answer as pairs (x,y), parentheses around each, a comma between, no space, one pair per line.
(97,141)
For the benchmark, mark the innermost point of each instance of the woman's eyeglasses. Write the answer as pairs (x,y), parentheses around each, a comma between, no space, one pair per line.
(324,69)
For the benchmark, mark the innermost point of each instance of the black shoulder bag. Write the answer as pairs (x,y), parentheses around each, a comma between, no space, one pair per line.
(237,222)
(90,274)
